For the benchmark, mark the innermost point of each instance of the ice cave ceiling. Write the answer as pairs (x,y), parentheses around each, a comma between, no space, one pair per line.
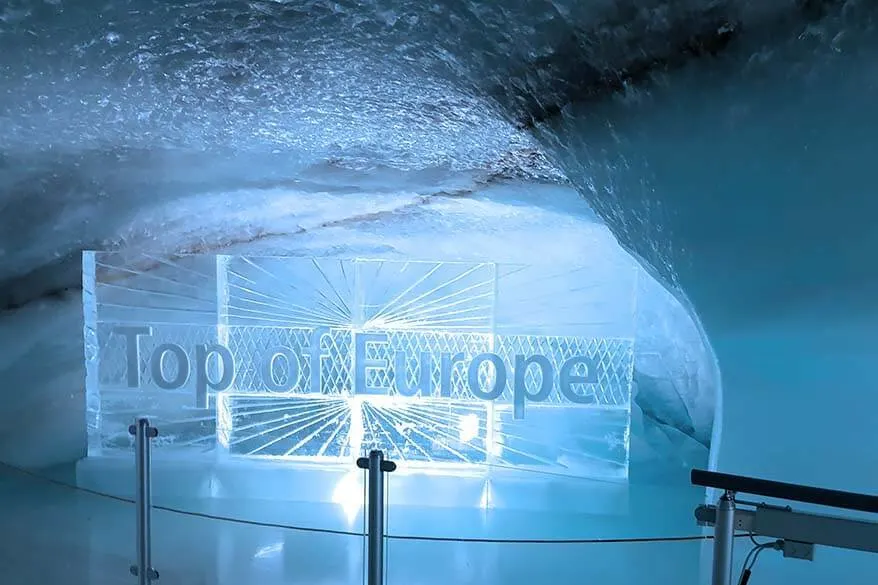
(221,124)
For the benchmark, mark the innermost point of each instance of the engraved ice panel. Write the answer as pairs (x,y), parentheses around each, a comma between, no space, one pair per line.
(420,364)
(292,427)
(426,296)
(428,432)
(149,326)
(594,299)
(307,293)
(440,364)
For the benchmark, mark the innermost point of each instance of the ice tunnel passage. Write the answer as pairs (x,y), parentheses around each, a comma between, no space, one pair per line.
(732,163)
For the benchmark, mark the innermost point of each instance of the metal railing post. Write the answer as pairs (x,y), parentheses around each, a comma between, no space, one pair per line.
(143,432)
(724,539)
(376,466)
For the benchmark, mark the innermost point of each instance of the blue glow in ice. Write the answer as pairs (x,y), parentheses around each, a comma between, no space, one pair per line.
(440,364)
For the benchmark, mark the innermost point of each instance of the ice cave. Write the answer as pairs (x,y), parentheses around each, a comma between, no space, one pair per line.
(388,291)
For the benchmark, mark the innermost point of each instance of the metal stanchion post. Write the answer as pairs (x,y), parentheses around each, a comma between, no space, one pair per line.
(724,539)
(376,466)
(143,432)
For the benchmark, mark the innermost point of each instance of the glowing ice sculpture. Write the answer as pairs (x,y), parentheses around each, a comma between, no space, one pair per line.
(440,364)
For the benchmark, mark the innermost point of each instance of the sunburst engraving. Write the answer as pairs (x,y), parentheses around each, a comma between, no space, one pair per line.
(440,364)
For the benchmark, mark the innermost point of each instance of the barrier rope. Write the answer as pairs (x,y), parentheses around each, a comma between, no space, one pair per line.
(451,539)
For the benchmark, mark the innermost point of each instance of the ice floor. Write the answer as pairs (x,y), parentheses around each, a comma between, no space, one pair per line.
(54,533)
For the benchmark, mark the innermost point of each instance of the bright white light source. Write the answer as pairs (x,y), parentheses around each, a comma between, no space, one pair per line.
(485,500)
(469,428)
(348,494)
(495,444)
(269,551)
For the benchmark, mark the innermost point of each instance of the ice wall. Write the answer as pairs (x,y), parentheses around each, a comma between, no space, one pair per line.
(675,375)
(749,181)
(168,111)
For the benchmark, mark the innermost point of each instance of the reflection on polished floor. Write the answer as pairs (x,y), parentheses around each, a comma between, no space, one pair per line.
(53,533)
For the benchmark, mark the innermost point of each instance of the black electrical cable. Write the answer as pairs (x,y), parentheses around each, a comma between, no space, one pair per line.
(747,569)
